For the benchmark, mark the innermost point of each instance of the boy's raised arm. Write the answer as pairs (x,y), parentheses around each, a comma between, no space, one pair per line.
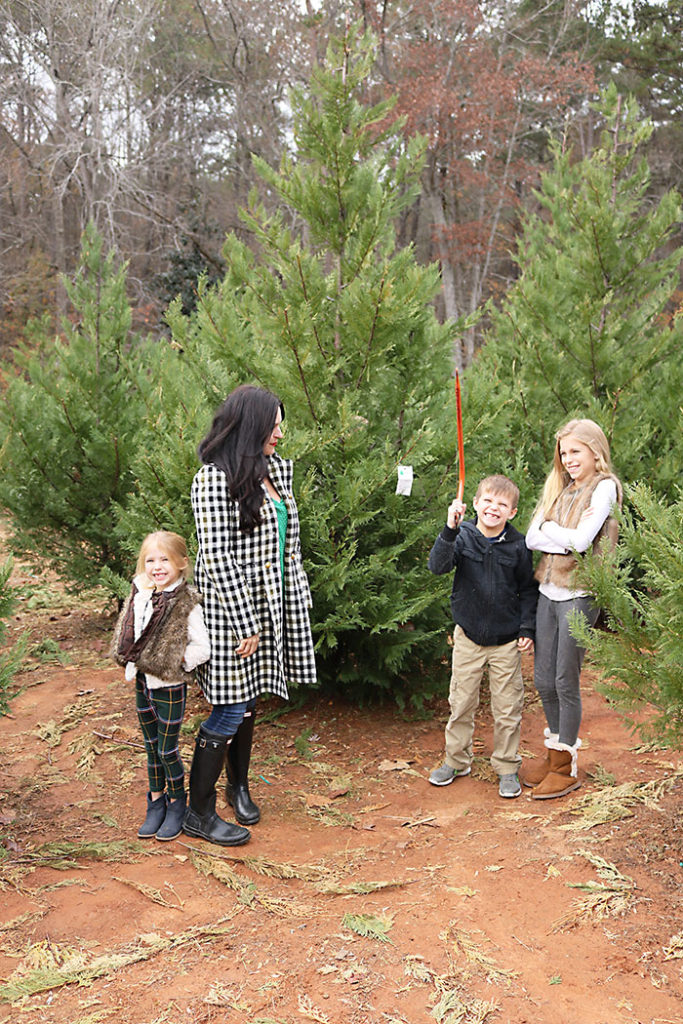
(442,555)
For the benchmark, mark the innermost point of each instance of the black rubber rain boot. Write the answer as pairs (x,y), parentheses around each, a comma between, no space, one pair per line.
(237,771)
(201,819)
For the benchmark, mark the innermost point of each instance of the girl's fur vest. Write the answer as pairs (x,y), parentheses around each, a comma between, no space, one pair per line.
(163,653)
(567,511)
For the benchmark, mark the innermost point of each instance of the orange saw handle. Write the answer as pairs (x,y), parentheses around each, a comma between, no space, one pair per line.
(461,446)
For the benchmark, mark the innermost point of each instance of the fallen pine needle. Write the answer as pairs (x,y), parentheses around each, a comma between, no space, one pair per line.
(466,949)
(308,1010)
(59,966)
(369,926)
(674,951)
(247,893)
(155,895)
(122,743)
(613,803)
(609,898)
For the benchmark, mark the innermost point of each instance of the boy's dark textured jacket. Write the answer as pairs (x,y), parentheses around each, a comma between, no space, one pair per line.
(494,591)
(163,655)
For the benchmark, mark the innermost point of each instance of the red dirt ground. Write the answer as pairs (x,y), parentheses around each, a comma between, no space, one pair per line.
(483,919)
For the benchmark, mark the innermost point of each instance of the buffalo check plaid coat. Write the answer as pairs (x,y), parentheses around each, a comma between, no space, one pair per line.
(239,577)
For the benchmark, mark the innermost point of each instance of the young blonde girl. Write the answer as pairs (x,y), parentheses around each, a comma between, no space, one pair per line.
(573,515)
(161,638)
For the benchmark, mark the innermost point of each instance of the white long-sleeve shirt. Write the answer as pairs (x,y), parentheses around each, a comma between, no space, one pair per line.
(560,540)
(198,648)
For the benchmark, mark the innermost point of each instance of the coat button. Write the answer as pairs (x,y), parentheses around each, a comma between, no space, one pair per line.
(267,565)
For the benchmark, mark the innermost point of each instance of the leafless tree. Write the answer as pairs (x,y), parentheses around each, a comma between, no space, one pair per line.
(138,115)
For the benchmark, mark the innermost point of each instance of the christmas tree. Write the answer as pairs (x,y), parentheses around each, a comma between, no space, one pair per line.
(590,329)
(327,311)
(640,655)
(73,413)
(12,658)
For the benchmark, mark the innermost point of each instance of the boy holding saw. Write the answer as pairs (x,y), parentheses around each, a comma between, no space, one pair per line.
(493,603)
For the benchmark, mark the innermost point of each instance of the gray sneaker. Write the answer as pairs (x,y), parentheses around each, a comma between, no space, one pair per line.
(509,786)
(444,775)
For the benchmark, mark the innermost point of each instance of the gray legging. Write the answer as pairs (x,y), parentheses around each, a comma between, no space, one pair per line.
(557,664)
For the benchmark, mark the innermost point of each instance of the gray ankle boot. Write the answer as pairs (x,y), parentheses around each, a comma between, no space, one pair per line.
(173,822)
(156,812)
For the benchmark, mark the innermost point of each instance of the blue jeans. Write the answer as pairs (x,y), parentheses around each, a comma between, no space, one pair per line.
(225,719)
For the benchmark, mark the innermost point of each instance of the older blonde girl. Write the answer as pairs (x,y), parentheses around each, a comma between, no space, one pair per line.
(573,515)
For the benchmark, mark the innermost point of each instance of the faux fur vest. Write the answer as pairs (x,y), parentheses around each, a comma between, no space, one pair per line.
(567,510)
(163,654)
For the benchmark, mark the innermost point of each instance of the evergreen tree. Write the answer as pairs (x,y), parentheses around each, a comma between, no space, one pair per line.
(72,415)
(640,48)
(326,311)
(589,328)
(641,654)
(10,660)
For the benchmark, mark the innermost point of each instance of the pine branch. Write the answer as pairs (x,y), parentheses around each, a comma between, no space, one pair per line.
(304,292)
(378,307)
(293,348)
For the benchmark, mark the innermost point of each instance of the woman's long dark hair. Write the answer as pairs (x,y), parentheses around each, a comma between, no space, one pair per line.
(240,429)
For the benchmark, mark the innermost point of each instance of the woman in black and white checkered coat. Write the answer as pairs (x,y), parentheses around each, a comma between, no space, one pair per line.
(256,599)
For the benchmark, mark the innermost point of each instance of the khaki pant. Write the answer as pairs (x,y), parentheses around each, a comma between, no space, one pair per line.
(507,699)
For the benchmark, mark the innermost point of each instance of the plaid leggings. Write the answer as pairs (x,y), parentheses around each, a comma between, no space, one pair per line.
(160,714)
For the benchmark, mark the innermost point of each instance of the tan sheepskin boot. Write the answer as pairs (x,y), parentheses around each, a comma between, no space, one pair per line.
(536,773)
(562,777)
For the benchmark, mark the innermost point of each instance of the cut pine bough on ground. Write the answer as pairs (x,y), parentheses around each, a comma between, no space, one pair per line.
(612,897)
